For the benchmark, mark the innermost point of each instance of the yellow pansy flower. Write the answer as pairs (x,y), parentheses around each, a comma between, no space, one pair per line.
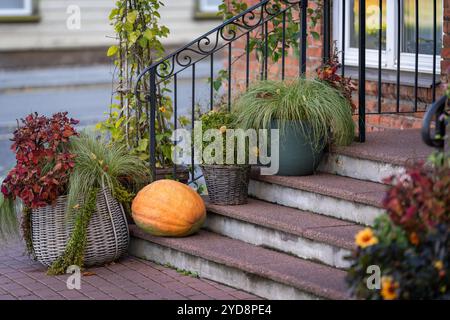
(389,288)
(366,238)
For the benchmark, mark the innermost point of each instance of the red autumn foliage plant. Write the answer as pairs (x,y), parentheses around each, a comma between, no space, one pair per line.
(43,160)
(419,200)
(328,72)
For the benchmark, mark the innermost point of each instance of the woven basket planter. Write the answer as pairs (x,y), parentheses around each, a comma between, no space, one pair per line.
(107,234)
(227,184)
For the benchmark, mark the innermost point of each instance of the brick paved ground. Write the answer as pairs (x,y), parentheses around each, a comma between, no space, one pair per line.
(130,278)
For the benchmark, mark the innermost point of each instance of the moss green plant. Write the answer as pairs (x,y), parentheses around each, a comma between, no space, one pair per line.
(26,231)
(309,103)
(74,251)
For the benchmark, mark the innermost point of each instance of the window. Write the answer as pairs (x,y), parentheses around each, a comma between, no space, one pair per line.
(209,6)
(390,42)
(16,7)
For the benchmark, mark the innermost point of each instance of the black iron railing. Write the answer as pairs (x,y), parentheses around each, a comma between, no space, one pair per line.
(435,124)
(405,14)
(241,29)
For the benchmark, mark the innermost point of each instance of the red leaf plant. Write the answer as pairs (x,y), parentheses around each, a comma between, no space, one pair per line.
(328,72)
(419,200)
(43,160)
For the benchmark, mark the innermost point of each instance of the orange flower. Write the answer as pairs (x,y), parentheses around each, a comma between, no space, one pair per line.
(414,238)
(162,109)
(366,238)
(389,288)
(439,265)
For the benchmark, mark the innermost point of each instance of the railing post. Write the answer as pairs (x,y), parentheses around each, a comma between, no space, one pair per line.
(362,71)
(326,30)
(303,35)
(152,125)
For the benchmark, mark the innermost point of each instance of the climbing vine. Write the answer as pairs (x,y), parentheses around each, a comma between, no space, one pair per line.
(138,35)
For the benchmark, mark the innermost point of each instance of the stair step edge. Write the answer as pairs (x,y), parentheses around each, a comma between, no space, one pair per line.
(255,268)
(313,233)
(372,197)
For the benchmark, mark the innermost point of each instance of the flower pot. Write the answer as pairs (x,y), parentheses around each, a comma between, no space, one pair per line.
(297,155)
(227,184)
(107,233)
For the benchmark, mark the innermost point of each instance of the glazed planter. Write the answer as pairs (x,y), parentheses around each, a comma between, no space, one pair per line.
(297,155)
(107,234)
(227,184)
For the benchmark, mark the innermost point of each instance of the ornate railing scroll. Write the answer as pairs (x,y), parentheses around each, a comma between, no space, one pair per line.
(206,46)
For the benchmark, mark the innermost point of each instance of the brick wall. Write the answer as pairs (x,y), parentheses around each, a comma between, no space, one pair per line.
(389,90)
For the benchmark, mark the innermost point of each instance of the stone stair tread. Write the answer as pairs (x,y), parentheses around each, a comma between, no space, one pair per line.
(307,276)
(397,147)
(305,224)
(350,189)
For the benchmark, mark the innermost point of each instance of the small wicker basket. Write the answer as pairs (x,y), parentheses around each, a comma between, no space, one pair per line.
(107,234)
(227,184)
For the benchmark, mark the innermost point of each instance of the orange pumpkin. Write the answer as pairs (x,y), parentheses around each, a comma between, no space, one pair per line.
(168,208)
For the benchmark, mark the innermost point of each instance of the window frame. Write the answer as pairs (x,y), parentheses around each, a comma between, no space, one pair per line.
(389,56)
(203,7)
(27,10)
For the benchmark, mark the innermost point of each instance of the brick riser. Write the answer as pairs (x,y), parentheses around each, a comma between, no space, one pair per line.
(393,121)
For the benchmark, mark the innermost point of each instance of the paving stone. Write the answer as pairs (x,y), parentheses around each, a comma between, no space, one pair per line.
(147,296)
(129,279)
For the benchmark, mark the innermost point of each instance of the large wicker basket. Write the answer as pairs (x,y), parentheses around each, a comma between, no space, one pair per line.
(227,184)
(107,234)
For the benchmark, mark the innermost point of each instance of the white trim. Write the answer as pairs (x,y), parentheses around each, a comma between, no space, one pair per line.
(205,6)
(26,10)
(389,56)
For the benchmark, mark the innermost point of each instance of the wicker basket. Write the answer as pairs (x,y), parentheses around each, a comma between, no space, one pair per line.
(227,184)
(107,234)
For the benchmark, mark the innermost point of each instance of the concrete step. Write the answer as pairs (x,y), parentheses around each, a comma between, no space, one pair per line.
(331,195)
(383,154)
(263,272)
(300,233)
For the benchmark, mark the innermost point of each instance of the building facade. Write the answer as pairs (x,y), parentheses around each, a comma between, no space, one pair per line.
(41,32)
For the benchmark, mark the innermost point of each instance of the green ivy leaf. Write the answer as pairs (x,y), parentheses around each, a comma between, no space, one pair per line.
(133,37)
(143,145)
(315,35)
(112,51)
(132,16)
(148,34)
(114,12)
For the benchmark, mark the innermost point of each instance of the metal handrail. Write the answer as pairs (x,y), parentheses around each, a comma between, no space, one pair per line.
(203,45)
(437,112)
(231,30)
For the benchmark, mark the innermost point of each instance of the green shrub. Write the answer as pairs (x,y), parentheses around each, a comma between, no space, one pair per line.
(310,103)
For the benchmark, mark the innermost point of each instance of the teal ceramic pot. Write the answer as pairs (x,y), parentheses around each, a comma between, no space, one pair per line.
(297,156)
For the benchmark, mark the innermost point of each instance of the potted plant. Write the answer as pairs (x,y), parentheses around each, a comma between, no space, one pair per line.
(227,183)
(410,244)
(308,113)
(69,188)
